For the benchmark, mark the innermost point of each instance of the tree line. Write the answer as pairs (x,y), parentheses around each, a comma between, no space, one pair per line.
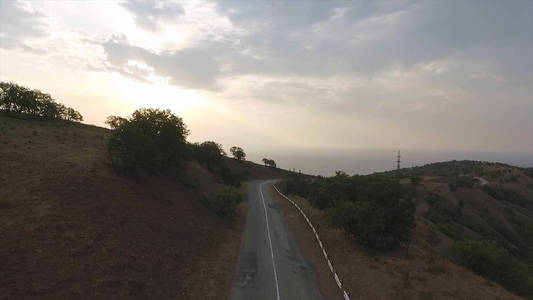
(269,163)
(377,211)
(18,101)
(155,141)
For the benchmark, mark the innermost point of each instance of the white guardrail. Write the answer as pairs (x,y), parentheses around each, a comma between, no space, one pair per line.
(330,264)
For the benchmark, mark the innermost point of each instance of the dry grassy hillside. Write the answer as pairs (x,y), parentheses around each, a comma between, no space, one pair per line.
(72,227)
(456,203)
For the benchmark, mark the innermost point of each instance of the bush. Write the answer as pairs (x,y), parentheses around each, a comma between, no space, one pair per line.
(441,210)
(340,187)
(374,224)
(226,202)
(528,172)
(152,141)
(209,153)
(487,259)
(296,184)
(462,181)
(372,209)
(230,178)
(503,194)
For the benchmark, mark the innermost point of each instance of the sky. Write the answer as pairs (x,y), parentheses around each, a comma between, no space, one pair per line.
(289,75)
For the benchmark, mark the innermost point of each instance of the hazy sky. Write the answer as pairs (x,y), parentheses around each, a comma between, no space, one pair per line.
(289,74)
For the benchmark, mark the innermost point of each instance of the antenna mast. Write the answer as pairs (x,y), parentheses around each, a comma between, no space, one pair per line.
(398,161)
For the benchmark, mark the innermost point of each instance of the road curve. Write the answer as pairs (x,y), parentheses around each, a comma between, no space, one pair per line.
(270,264)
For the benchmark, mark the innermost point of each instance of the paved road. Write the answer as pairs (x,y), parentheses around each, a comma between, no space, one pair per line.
(270,265)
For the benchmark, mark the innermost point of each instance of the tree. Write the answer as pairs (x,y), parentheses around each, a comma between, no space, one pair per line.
(152,141)
(12,97)
(266,161)
(238,153)
(269,163)
(73,115)
(115,121)
(20,101)
(209,153)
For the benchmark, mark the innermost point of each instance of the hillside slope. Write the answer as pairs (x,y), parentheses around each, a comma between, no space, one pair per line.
(473,237)
(72,227)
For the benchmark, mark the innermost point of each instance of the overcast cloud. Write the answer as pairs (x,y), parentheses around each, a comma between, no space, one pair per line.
(459,73)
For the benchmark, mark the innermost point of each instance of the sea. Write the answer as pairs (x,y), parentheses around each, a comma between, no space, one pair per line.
(366,161)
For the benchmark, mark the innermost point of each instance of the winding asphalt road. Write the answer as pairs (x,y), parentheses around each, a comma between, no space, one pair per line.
(270,265)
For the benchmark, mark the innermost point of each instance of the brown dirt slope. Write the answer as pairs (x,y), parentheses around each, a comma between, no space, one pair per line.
(71,227)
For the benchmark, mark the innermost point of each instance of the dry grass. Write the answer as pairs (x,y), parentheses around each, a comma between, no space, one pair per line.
(72,227)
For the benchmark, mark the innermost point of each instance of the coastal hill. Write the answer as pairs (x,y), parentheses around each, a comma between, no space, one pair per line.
(72,226)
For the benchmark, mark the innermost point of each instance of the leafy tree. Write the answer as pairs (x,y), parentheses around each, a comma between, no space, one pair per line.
(151,140)
(269,163)
(209,153)
(115,121)
(297,184)
(73,115)
(376,210)
(238,153)
(20,101)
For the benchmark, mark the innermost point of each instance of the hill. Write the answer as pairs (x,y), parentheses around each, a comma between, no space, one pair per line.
(73,227)
(473,231)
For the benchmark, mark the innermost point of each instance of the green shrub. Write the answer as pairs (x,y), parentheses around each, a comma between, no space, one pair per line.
(528,172)
(297,184)
(340,187)
(374,224)
(151,141)
(209,153)
(415,180)
(504,194)
(226,202)
(487,259)
(462,181)
(441,210)
(230,178)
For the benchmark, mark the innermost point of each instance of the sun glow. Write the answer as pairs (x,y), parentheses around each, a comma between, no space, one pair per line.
(161,96)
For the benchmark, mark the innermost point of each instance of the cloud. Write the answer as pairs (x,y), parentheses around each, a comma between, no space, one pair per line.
(20,22)
(149,14)
(193,68)
(331,38)
(449,67)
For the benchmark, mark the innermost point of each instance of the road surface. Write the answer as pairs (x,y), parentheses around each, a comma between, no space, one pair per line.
(270,264)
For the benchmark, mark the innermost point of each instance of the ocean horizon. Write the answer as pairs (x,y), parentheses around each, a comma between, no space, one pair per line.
(327,162)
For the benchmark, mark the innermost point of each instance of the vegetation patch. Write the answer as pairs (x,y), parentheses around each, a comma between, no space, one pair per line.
(226,202)
(150,141)
(18,101)
(503,194)
(441,210)
(378,212)
(487,259)
(465,181)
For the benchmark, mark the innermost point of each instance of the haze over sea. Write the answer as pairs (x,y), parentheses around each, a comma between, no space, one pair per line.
(359,161)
